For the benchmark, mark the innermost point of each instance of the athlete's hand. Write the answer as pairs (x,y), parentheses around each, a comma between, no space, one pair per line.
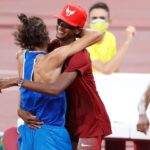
(30,119)
(143,123)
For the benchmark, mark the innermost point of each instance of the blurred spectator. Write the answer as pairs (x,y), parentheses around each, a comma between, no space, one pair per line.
(104,55)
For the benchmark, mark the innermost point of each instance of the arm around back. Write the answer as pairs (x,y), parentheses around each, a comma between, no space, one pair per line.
(88,38)
(60,54)
(63,81)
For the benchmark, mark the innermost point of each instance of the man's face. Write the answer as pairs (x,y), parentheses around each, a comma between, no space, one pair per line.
(98,13)
(64,30)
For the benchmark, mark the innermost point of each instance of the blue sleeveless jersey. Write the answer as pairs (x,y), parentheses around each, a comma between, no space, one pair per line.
(50,109)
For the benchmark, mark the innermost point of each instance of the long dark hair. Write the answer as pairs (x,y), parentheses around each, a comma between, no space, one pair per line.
(31,33)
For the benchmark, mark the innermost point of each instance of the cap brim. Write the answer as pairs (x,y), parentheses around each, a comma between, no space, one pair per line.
(64,19)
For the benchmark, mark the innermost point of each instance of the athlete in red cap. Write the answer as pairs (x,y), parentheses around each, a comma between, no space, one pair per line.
(87,120)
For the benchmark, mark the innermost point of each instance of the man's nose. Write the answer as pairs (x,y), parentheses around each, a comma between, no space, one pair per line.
(61,24)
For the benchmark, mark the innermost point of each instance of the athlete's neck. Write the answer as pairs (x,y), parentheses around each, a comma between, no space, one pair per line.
(40,49)
(66,41)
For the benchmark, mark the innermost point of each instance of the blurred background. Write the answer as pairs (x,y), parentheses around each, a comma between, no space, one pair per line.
(123,13)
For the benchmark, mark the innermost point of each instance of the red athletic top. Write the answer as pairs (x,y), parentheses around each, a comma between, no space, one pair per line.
(86,113)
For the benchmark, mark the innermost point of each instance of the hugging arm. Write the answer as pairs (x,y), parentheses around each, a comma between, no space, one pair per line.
(89,37)
(59,55)
(62,82)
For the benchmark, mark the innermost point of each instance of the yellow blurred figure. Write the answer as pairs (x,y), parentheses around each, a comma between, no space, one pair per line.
(104,55)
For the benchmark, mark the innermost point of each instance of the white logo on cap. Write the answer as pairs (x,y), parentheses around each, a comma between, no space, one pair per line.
(69,12)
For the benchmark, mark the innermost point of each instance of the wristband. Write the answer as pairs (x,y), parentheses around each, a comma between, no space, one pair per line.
(20,82)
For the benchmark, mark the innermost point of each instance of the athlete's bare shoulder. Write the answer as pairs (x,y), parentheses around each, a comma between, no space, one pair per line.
(20,59)
(20,54)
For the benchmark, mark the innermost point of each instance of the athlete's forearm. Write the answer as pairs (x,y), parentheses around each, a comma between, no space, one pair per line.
(39,87)
(45,88)
(55,88)
(89,37)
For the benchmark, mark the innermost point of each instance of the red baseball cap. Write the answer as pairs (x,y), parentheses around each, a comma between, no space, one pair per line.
(73,15)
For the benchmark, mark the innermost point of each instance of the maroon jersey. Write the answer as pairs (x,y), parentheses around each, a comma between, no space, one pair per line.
(86,113)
